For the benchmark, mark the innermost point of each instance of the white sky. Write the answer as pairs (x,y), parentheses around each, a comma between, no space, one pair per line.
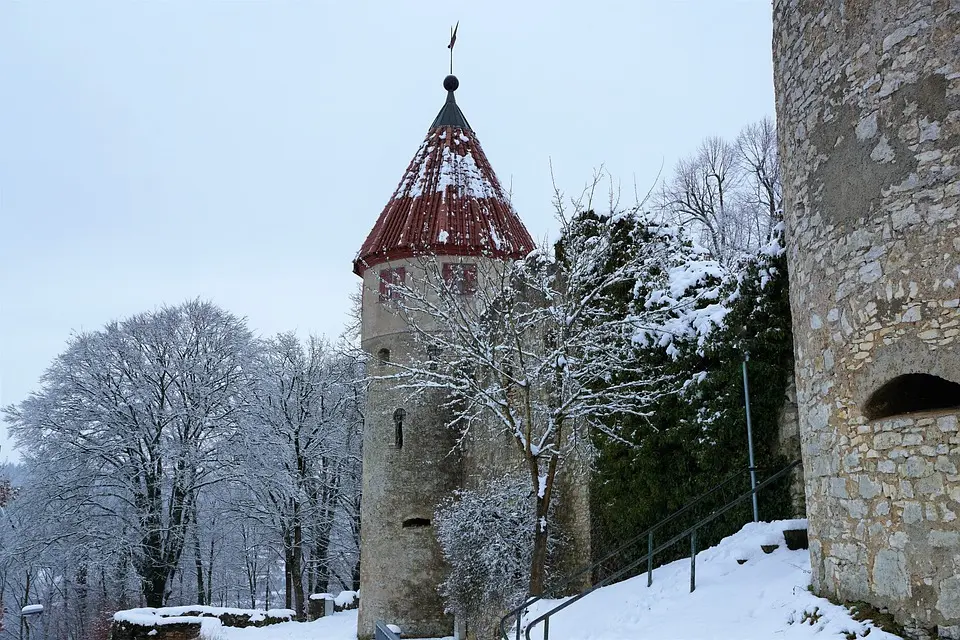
(240,150)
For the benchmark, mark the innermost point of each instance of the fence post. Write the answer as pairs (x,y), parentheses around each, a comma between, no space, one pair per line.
(546,629)
(650,558)
(693,560)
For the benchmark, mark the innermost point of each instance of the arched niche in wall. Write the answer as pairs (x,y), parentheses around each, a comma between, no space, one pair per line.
(910,393)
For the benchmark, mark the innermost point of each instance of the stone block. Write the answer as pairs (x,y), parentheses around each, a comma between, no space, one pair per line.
(890,574)
(943,539)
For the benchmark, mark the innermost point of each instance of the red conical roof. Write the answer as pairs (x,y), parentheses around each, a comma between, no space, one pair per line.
(449,201)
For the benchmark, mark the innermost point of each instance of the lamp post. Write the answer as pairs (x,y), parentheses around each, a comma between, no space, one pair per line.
(27,612)
(753,469)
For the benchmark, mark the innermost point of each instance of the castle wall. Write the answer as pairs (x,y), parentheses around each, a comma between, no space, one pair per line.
(868,109)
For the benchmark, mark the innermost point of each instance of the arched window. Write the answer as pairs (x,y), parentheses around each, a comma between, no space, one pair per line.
(398,417)
(416,522)
(910,393)
(383,356)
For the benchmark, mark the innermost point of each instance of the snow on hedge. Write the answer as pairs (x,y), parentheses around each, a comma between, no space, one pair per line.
(697,292)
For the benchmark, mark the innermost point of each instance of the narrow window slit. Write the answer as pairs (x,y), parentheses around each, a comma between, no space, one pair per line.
(398,417)
(416,522)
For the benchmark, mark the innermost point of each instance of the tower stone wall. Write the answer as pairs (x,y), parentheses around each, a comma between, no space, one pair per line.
(401,566)
(868,110)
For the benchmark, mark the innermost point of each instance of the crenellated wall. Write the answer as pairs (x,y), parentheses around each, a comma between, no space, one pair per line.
(868,110)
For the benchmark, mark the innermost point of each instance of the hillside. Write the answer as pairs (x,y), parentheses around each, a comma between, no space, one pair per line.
(765,597)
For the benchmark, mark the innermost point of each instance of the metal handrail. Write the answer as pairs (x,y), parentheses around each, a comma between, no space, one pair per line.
(647,533)
(383,632)
(691,531)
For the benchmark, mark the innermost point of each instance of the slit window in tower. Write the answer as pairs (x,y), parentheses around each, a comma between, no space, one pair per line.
(383,356)
(398,417)
(390,282)
(461,277)
(416,522)
(433,353)
(911,393)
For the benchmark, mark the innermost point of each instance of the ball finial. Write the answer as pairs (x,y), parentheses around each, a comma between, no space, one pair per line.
(450,83)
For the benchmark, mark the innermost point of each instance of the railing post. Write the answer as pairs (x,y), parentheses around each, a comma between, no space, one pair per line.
(753,468)
(650,558)
(519,615)
(546,629)
(693,560)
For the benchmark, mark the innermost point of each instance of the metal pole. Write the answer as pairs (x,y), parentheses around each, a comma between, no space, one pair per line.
(650,558)
(693,560)
(753,469)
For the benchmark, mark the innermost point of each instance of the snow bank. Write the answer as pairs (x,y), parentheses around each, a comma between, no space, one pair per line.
(339,626)
(766,597)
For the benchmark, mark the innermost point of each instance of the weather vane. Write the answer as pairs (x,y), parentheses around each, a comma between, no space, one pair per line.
(453,41)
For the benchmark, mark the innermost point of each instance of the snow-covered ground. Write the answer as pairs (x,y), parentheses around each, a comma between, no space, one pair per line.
(339,626)
(764,598)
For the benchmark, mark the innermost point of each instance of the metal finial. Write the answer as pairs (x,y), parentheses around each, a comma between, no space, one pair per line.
(453,41)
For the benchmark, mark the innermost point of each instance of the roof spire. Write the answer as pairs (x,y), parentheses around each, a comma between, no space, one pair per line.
(450,115)
(453,41)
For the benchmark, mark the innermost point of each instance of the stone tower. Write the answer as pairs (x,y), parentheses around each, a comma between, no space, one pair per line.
(449,205)
(868,110)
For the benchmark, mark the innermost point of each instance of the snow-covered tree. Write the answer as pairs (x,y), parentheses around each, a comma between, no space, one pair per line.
(531,349)
(131,422)
(301,447)
(487,540)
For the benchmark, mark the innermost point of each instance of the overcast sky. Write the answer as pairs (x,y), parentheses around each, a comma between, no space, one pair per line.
(240,151)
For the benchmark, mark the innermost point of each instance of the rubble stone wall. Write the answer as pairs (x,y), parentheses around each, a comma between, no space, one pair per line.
(868,110)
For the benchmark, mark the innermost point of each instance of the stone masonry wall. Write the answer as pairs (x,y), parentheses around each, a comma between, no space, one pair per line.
(868,110)
(788,445)
(401,567)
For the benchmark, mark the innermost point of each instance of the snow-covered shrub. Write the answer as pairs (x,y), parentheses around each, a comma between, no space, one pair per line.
(487,540)
(695,438)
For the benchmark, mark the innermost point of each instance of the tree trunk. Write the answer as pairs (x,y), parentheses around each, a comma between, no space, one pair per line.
(297,567)
(538,561)
(198,562)
(541,536)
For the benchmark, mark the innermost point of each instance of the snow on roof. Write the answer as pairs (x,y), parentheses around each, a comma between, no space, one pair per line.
(449,202)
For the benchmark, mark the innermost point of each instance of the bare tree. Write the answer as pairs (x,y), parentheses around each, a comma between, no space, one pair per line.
(728,194)
(759,164)
(531,348)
